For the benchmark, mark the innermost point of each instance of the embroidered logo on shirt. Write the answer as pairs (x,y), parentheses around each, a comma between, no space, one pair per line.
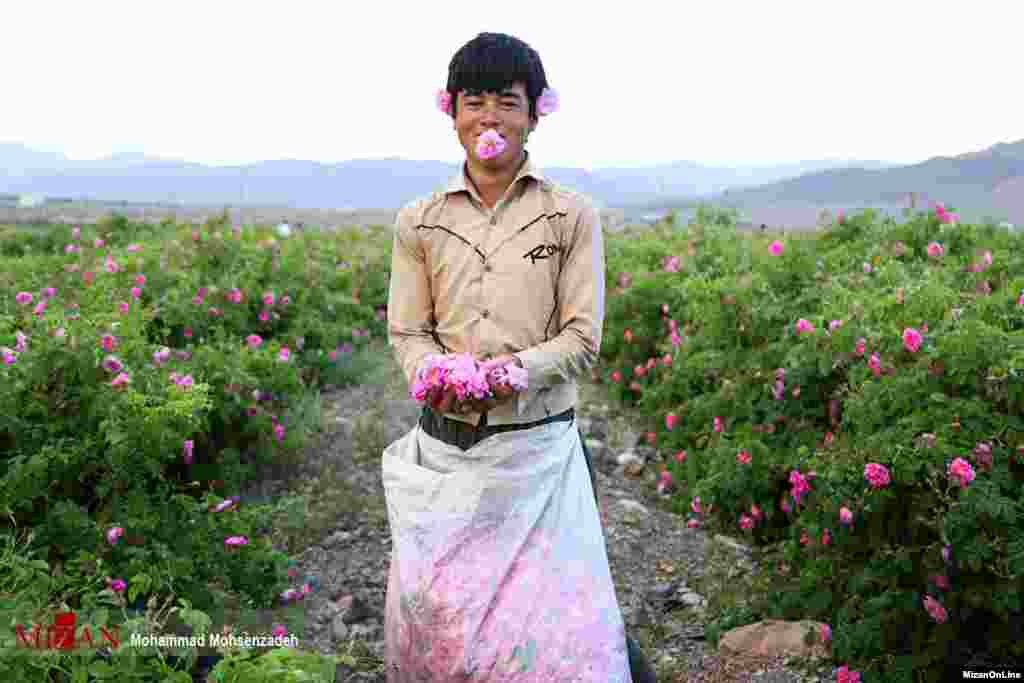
(541,251)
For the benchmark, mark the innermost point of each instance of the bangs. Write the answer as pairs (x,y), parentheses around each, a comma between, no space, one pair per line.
(492,75)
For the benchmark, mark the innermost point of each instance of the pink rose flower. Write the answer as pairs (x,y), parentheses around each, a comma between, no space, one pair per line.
(911,339)
(548,102)
(844,675)
(443,100)
(935,609)
(113,534)
(961,471)
(803,325)
(877,475)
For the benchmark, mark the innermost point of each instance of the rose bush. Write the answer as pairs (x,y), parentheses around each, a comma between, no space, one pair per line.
(873,415)
(146,371)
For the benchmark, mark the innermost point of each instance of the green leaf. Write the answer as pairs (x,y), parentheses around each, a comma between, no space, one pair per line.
(101,670)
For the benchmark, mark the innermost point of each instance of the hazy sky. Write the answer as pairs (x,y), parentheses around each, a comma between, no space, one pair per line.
(721,82)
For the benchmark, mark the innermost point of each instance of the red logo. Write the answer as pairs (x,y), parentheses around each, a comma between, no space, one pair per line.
(61,634)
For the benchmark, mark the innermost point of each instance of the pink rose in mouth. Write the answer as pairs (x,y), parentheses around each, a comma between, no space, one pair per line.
(490,145)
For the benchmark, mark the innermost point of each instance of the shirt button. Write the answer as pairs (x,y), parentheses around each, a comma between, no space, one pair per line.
(494,220)
(485,313)
(487,268)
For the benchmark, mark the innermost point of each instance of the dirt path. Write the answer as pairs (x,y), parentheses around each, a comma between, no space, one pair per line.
(667,577)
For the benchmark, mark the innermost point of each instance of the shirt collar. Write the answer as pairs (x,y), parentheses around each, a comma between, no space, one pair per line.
(460,183)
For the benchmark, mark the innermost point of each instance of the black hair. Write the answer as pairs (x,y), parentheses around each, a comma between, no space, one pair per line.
(492,62)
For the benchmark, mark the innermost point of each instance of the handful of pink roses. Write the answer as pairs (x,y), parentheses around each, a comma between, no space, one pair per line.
(465,375)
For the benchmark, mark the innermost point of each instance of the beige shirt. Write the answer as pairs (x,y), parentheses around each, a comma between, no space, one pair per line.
(526,278)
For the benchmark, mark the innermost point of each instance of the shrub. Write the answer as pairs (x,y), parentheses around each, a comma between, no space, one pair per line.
(799,368)
(147,369)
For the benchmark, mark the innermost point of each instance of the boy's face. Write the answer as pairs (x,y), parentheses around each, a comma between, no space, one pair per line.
(508,113)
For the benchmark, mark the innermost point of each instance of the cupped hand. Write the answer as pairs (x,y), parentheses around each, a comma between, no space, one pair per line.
(446,400)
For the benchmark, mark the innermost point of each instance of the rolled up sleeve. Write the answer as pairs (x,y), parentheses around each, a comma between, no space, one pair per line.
(410,304)
(581,292)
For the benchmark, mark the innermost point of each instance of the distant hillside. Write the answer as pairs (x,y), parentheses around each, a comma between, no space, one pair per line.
(367,183)
(988,182)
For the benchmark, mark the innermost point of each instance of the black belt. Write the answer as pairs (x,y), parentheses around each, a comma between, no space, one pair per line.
(465,435)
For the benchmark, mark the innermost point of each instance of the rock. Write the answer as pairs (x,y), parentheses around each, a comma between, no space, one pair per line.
(598,429)
(598,450)
(630,439)
(735,545)
(362,630)
(690,632)
(633,506)
(339,629)
(660,591)
(772,638)
(634,470)
(691,599)
(666,661)
(629,458)
(646,453)
(352,609)
(638,617)
(337,538)
(775,677)
(328,610)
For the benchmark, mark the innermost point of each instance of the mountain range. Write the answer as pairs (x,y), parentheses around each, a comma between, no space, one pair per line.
(986,183)
(989,181)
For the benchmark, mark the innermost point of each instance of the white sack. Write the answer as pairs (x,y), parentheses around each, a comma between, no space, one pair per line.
(499,570)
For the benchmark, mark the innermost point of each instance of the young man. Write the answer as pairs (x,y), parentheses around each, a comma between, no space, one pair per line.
(503,264)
